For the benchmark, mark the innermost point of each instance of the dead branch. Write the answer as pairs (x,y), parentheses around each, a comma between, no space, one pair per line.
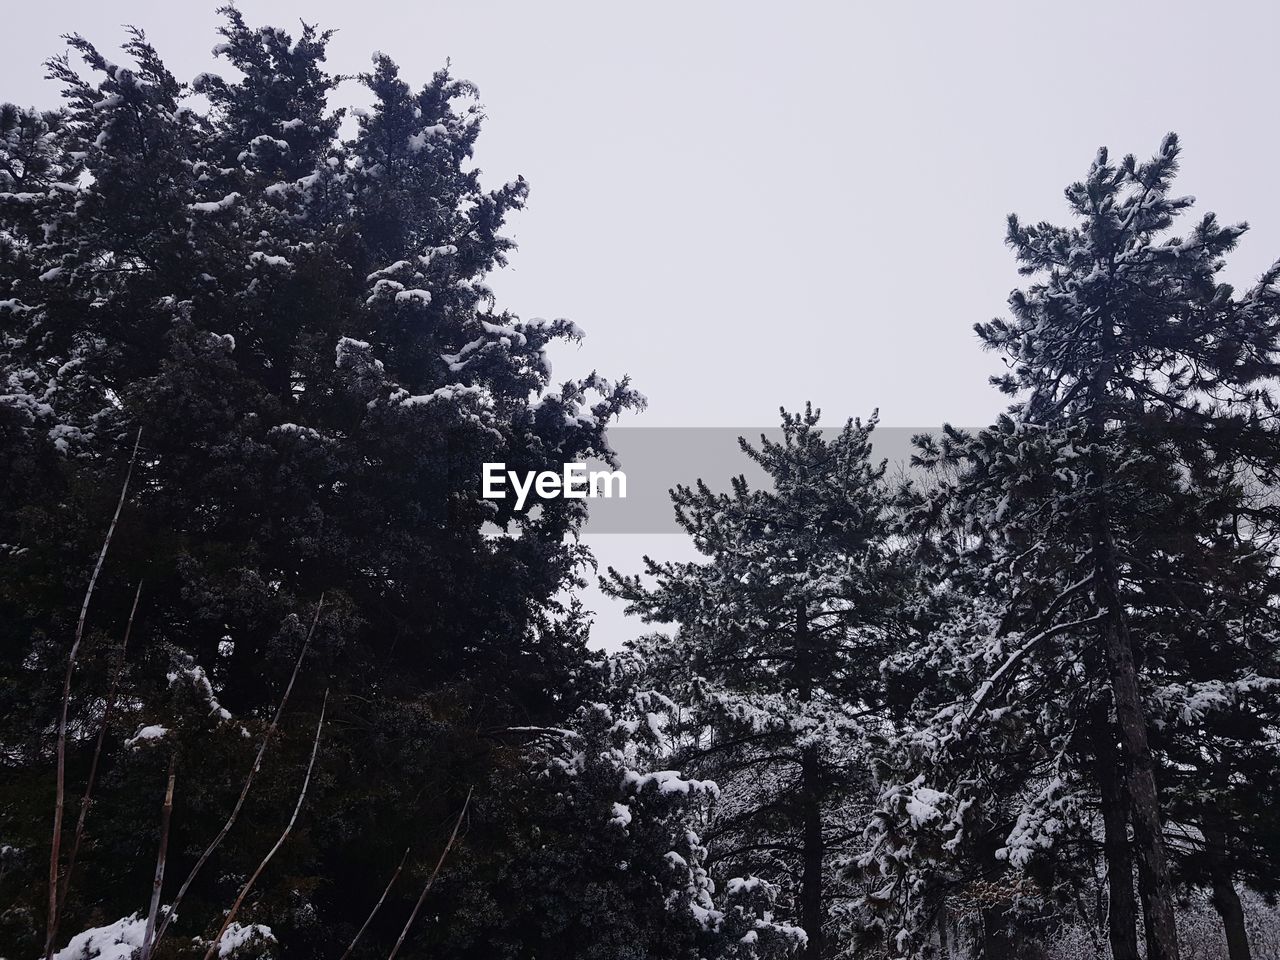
(377,906)
(432,879)
(165,815)
(244,791)
(302,795)
(87,799)
(59,804)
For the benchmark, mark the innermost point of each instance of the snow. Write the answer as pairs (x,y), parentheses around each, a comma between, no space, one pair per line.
(355,355)
(740,885)
(450,392)
(621,815)
(654,723)
(115,941)
(214,206)
(257,144)
(413,296)
(293,429)
(151,732)
(447,250)
(271,260)
(669,782)
(1038,826)
(345,347)
(419,140)
(458,361)
(237,936)
(560,327)
(186,669)
(63,434)
(1188,703)
(389,271)
(382,287)
(503,331)
(923,805)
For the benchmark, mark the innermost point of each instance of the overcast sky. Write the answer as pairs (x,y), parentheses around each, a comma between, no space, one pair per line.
(750,204)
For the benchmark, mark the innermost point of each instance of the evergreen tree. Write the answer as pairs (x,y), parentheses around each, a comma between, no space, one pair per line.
(300,328)
(1213,602)
(1101,496)
(603,857)
(775,662)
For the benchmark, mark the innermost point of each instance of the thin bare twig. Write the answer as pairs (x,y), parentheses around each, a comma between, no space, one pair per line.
(302,795)
(87,799)
(60,793)
(377,906)
(432,879)
(244,791)
(165,816)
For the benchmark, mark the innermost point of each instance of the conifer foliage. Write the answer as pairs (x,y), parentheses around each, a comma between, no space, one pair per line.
(776,660)
(1106,549)
(277,681)
(293,313)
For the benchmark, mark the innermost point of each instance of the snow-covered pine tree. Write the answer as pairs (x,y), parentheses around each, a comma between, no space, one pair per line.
(600,857)
(1078,515)
(981,827)
(775,662)
(300,327)
(1214,603)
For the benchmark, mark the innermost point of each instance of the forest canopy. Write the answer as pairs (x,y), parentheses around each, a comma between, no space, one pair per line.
(276,680)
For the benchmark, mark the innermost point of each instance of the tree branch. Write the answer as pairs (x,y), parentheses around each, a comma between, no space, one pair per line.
(244,791)
(432,879)
(87,799)
(376,907)
(302,795)
(59,803)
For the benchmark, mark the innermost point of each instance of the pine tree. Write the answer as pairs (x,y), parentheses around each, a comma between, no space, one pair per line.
(1085,508)
(603,856)
(780,634)
(299,326)
(1213,603)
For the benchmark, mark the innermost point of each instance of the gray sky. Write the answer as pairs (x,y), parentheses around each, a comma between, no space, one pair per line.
(749,204)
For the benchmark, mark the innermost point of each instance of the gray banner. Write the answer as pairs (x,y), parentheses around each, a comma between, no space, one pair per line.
(655,459)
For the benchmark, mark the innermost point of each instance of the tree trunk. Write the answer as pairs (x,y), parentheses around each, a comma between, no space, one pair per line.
(811,794)
(1154,881)
(813,854)
(1144,803)
(1122,907)
(1225,898)
(998,941)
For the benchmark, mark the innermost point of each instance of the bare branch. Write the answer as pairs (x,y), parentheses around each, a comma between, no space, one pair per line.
(432,879)
(376,907)
(302,795)
(244,791)
(165,816)
(87,799)
(60,793)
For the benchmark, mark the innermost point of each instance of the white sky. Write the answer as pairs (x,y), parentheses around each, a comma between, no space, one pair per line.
(750,204)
